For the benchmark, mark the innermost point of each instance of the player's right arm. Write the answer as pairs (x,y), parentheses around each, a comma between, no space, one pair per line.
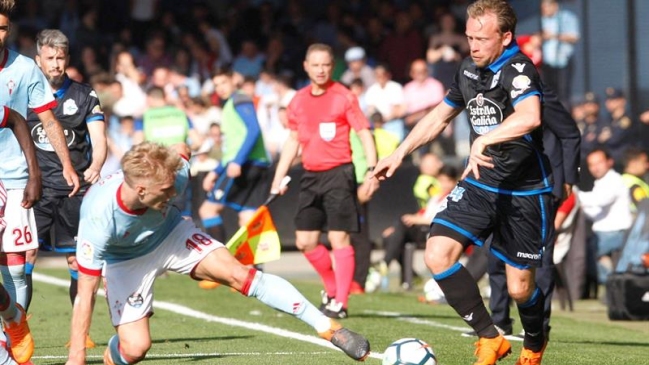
(426,130)
(18,125)
(84,305)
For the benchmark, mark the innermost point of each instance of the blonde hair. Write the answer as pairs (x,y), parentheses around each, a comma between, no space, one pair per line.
(7,7)
(150,161)
(319,47)
(503,11)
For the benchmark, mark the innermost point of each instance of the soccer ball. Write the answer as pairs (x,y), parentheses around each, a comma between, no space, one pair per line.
(409,351)
(432,292)
(373,281)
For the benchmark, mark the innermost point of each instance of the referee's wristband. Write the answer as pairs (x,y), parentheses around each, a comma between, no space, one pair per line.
(370,168)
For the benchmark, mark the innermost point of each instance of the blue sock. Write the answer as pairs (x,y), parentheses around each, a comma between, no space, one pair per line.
(279,294)
(29,268)
(113,346)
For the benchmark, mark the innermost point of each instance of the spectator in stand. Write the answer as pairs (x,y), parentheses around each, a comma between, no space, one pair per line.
(217,42)
(249,62)
(609,206)
(357,87)
(386,97)
(119,140)
(357,68)
(133,99)
(401,47)
(164,124)
(590,126)
(620,132)
(203,114)
(272,128)
(386,142)
(155,54)
(421,95)
(560,32)
(414,227)
(636,166)
(143,16)
(446,48)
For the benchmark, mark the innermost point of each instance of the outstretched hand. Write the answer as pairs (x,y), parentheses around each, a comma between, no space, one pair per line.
(386,167)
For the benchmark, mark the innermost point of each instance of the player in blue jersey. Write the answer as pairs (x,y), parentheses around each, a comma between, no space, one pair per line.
(80,114)
(130,233)
(23,86)
(12,313)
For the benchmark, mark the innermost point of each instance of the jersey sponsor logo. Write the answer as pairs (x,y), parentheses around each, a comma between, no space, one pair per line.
(495,79)
(327,131)
(70,107)
(42,142)
(520,84)
(518,66)
(484,114)
(470,75)
(526,255)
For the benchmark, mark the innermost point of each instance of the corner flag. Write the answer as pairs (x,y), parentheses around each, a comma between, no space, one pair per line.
(256,242)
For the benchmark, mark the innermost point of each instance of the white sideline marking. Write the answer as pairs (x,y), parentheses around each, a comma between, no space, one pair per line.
(200,354)
(186,311)
(415,320)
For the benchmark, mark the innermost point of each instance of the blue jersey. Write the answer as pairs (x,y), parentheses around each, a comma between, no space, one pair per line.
(22,86)
(110,232)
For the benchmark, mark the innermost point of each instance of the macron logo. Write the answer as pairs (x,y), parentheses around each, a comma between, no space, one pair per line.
(470,75)
(532,256)
(645,297)
(518,66)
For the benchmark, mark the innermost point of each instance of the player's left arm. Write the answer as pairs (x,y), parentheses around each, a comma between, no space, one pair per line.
(56,137)
(18,125)
(246,111)
(97,131)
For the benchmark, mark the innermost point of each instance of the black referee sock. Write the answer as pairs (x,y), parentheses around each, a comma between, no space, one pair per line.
(532,314)
(462,293)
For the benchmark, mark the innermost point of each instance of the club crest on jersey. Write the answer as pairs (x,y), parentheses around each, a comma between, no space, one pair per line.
(327,131)
(484,114)
(11,85)
(520,84)
(70,107)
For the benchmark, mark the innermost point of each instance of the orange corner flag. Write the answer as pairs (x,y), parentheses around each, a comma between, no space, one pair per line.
(256,242)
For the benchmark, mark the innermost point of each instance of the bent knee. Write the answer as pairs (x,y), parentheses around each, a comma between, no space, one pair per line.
(522,292)
(134,350)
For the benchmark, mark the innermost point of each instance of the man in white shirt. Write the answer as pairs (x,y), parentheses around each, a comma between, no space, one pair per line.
(609,207)
(386,97)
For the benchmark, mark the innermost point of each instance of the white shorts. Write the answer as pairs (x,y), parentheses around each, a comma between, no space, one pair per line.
(20,235)
(129,284)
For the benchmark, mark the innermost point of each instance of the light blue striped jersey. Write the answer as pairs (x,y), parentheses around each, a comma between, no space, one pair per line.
(22,86)
(110,232)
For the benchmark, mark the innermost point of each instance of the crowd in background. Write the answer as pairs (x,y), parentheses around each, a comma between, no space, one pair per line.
(397,56)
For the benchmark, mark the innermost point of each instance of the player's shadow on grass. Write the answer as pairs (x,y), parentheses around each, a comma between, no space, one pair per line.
(609,343)
(403,315)
(199,339)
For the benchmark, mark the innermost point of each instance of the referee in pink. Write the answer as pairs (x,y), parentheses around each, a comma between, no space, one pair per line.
(321,116)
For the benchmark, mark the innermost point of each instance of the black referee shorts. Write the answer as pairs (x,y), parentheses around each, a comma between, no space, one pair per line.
(521,224)
(57,222)
(328,201)
(248,191)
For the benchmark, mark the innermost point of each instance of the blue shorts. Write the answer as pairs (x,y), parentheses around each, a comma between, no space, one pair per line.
(248,191)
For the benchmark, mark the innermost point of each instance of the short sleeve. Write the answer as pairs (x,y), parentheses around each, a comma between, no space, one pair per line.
(291,114)
(92,240)
(454,96)
(94,112)
(521,80)
(4,115)
(40,94)
(354,115)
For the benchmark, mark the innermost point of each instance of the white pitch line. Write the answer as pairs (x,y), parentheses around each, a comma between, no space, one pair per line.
(200,354)
(406,318)
(186,311)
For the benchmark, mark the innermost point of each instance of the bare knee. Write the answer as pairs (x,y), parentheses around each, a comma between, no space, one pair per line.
(134,350)
(521,291)
(207,210)
(441,255)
